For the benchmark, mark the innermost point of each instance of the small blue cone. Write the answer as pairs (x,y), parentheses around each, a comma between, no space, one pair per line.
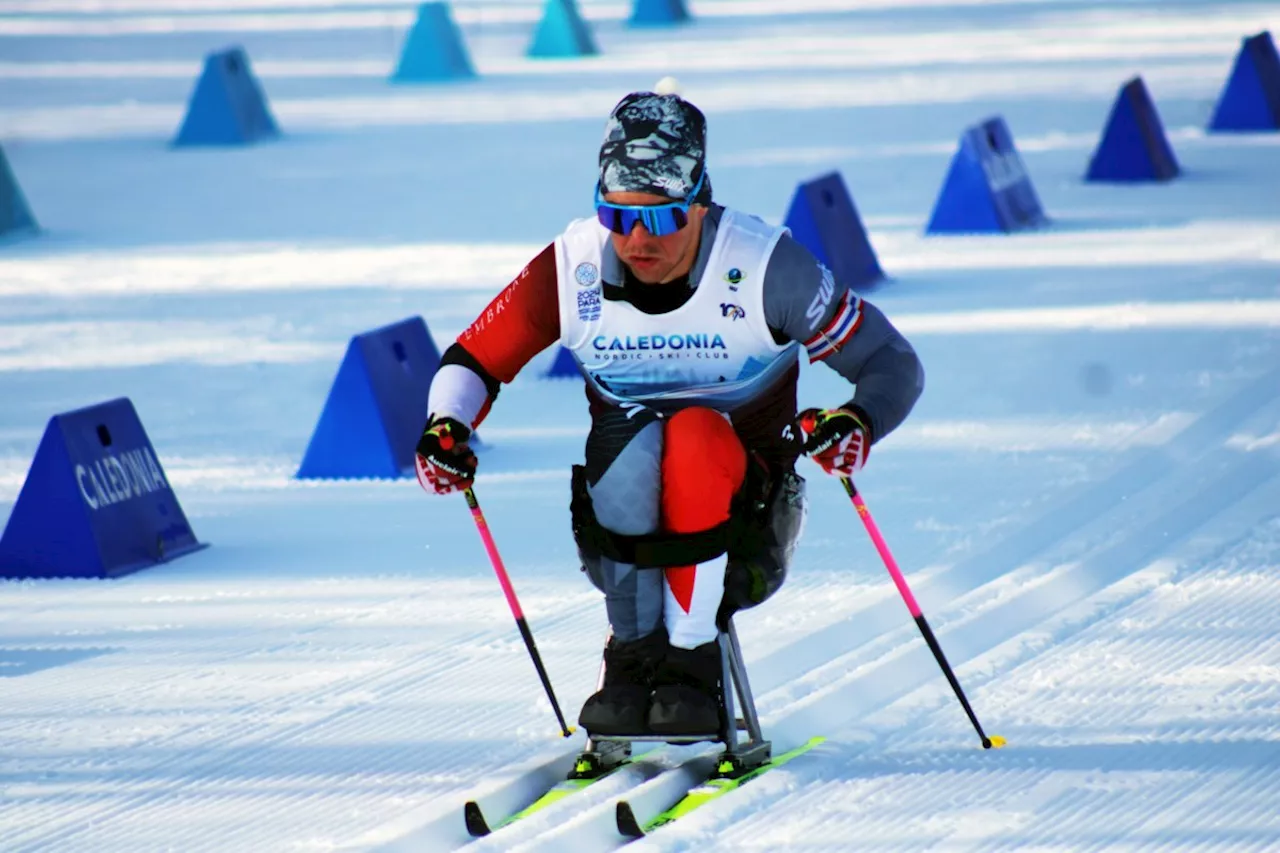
(1133,145)
(987,188)
(227,106)
(15,216)
(658,13)
(1251,98)
(434,50)
(562,33)
(377,404)
(823,219)
(564,365)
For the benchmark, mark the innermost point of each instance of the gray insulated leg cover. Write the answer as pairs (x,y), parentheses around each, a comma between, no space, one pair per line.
(618,491)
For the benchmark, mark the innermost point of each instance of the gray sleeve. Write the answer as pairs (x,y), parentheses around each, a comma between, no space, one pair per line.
(801,297)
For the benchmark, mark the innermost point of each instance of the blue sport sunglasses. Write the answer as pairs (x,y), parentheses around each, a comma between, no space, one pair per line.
(658,219)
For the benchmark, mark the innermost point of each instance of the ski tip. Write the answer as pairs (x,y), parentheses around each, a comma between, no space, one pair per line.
(993,742)
(477,826)
(627,823)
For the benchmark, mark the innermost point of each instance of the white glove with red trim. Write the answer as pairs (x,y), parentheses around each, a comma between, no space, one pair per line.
(836,439)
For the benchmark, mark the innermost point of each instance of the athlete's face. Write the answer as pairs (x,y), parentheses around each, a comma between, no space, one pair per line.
(654,260)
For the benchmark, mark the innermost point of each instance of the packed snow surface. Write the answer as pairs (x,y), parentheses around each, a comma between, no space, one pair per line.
(1086,500)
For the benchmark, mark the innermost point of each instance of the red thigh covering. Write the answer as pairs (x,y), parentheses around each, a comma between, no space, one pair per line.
(703,465)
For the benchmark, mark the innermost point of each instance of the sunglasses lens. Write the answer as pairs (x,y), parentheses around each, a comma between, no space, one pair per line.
(679,219)
(658,221)
(610,217)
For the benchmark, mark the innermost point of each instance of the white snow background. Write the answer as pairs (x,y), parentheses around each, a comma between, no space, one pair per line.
(1086,499)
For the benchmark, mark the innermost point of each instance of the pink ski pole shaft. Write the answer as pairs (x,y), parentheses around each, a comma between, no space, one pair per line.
(905,591)
(514,603)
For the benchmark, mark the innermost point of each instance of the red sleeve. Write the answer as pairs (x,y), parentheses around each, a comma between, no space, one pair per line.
(520,322)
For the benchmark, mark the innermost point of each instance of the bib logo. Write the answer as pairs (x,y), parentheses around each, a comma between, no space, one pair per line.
(733,312)
(586,274)
(699,341)
(734,277)
(115,479)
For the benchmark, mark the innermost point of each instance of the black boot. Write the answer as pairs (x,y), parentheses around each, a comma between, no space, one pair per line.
(621,706)
(686,692)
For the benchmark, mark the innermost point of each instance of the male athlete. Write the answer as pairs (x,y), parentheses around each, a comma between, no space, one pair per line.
(687,320)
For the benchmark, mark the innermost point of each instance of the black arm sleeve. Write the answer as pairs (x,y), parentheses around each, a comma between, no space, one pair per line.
(457,354)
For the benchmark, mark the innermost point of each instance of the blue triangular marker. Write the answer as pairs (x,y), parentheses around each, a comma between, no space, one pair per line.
(376,407)
(96,502)
(562,32)
(1251,98)
(564,365)
(658,13)
(987,188)
(434,50)
(1133,146)
(822,217)
(15,215)
(227,106)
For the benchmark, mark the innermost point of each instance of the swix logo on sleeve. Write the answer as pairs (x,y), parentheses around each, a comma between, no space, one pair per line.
(114,479)
(821,299)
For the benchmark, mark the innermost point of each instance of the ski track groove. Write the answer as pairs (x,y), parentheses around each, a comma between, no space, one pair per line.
(1230,479)
(399,678)
(1134,822)
(403,676)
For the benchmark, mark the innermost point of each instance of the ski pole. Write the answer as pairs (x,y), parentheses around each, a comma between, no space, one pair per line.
(483,527)
(901,583)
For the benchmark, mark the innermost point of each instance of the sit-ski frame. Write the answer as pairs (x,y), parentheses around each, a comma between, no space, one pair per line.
(606,752)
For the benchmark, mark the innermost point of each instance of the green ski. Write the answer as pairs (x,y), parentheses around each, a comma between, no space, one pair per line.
(478,826)
(713,789)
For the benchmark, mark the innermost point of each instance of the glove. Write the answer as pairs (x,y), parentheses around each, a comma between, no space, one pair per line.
(836,439)
(444,462)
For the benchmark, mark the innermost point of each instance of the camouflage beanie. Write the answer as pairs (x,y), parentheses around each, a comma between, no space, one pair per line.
(655,144)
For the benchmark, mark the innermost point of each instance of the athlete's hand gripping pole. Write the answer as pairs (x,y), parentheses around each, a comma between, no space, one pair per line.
(489,546)
(901,583)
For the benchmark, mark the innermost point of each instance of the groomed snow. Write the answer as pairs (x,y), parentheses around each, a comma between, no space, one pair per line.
(1086,500)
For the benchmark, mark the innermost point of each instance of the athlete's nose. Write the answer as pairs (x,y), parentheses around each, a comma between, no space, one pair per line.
(644,232)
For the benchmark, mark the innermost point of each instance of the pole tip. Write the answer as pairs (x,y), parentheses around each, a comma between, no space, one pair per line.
(568,732)
(993,742)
